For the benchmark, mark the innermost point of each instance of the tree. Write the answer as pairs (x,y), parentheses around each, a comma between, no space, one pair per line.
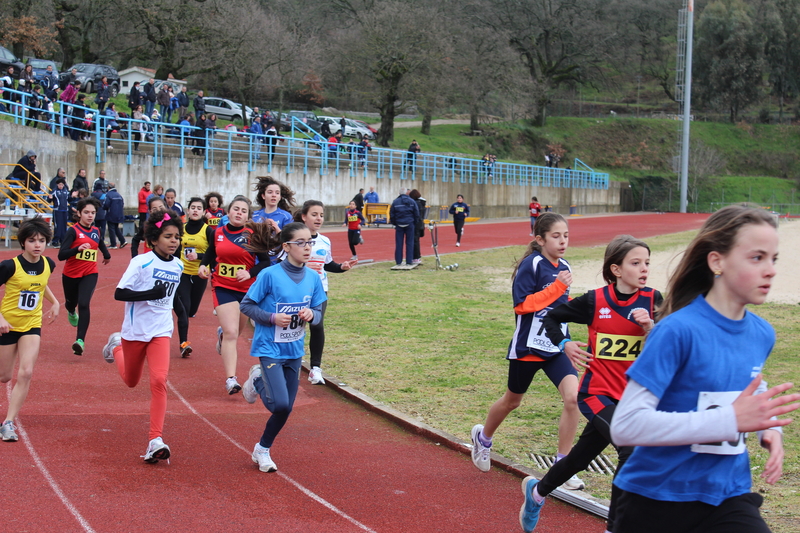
(705,165)
(779,22)
(728,59)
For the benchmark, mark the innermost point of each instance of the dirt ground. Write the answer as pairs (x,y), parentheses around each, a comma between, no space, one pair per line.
(785,289)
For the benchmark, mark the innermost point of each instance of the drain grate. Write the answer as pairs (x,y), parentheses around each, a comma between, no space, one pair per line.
(600,465)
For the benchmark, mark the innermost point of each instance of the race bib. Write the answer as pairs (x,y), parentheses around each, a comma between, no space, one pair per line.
(89,254)
(228,271)
(715,400)
(187,251)
(166,301)
(618,347)
(296,330)
(315,265)
(213,222)
(28,300)
(537,338)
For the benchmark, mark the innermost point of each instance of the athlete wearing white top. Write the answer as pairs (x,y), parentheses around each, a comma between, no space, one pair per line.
(321,256)
(150,318)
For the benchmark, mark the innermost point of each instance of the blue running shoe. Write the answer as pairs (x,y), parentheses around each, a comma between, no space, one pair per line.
(529,513)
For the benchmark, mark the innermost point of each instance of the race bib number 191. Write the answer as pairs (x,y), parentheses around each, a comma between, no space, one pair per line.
(89,254)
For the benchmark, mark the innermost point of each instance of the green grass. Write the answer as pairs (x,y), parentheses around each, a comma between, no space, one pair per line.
(440,356)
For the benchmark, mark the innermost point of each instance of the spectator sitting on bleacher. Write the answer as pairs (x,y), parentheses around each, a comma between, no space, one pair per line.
(26,167)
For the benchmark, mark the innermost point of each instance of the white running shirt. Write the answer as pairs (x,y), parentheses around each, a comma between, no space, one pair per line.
(151,318)
(320,256)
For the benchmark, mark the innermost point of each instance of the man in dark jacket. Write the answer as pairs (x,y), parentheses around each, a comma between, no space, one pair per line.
(134,96)
(359,200)
(80,181)
(199,104)
(115,215)
(403,214)
(100,217)
(150,97)
(102,182)
(25,172)
(183,103)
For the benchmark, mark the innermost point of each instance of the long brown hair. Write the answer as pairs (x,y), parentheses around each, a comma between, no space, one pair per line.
(287,195)
(693,277)
(616,251)
(544,223)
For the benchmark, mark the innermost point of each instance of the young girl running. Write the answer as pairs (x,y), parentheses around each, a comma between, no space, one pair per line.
(79,251)
(236,270)
(535,209)
(697,388)
(214,211)
(275,199)
(321,261)
(25,278)
(281,301)
(196,237)
(148,287)
(618,315)
(460,212)
(353,219)
(540,282)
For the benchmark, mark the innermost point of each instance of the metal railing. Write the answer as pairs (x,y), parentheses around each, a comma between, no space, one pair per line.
(306,149)
(14,192)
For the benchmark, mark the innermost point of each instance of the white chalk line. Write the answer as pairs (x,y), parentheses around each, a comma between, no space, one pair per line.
(46,473)
(297,485)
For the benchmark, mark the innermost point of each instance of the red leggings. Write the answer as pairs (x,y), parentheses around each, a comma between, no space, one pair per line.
(130,357)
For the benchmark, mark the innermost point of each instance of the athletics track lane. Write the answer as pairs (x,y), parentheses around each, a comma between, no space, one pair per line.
(342,468)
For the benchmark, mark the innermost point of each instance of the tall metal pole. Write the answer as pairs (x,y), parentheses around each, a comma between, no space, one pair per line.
(687,101)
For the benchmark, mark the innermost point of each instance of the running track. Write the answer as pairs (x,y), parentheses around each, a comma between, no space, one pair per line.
(342,468)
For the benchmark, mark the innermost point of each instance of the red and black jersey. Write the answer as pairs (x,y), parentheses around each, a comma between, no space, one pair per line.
(83,263)
(615,340)
(231,256)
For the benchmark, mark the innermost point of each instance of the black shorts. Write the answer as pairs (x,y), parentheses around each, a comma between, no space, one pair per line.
(224,296)
(12,337)
(520,373)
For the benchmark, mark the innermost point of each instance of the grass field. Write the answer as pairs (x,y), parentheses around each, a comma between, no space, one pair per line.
(439,356)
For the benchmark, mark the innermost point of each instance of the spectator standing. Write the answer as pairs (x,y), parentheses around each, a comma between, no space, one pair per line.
(343,125)
(258,135)
(35,103)
(411,156)
(70,94)
(359,200)
(199,105)
(60,173)
(272,141)
(144,193)
(80,181)
(419,224)
(114,205)
(60,197)
(183,102)
(363,148)
(200,134)
(135,96)
(100,217)
(256,113)
(163,101)
(111,124)
(103,94)
(26,167)
(403,214)
(102,182)
(49,81)
(149,90)
(72,77)
(371,197)
(26,79)
(77,118)
(325,130)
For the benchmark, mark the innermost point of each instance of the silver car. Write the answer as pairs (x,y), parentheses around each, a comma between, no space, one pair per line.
(227,109)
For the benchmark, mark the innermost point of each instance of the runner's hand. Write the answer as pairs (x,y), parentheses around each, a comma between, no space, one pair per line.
(565,277)
(579,358)
(306,314)
(754,412)
(642,317)
(282,319)
(773,441)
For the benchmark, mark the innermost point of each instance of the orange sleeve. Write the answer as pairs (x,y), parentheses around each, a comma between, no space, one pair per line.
(539,300)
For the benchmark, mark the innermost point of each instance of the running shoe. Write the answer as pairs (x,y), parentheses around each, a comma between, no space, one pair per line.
(77,347)
(9,431)
(315,376)
(219,340)
(360,240)
(156,450)
(574,483)
(529,513)
(249,389)
(354,258)
(458,244)
(261,456)
(232,385)
(480,453)
(416,262)
(186,349)
(73,318)
(114,340)
(123,245)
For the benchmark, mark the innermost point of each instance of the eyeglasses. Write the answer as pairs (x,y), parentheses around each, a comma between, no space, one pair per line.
(302,244)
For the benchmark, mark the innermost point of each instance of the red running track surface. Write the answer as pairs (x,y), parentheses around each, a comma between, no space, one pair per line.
(342,468)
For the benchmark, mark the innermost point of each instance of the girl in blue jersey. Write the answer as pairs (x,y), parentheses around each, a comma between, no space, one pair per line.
(618,315)
(697,388)
(282,300)
(540,282)
(312,214)
(275,199)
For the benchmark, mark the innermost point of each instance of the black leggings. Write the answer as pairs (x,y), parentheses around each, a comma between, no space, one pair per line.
(594,439)
(317,341)
(190,294)
(458,225)
(78,293)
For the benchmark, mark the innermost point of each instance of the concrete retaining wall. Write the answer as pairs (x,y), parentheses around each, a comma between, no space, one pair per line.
(486,200)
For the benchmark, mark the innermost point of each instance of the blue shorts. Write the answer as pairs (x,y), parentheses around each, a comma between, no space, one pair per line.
(225,296)
(520,373)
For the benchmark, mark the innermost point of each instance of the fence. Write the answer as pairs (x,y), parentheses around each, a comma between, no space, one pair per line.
(305,153)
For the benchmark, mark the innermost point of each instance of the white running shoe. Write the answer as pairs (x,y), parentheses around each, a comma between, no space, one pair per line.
(9,431)
(261,456)
(458,244)
(249,390)
(219,340)
(114,340)
(574,483)
(156,450)
(315,376)
(480,453)
(232,385)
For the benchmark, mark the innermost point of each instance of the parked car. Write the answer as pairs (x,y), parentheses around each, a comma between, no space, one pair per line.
(90,75)
(8,59)
(308,118)
(40,67)
(351,128)
(370,128)
(226,109)
(175,87)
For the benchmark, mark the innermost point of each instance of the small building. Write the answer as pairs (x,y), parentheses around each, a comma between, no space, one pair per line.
(128,76)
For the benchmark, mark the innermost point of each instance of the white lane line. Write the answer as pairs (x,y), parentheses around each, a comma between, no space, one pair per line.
(297,485)
(46,473)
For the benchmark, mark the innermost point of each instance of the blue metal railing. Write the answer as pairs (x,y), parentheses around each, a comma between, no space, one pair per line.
(305,150)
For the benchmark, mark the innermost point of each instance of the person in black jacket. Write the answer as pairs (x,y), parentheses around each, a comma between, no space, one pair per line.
(115,215)
(26,167)
(149,90)
(134,96)
(77,118)
(80,181)
(199,105)
(183,103)
(419,225)
(403,214)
